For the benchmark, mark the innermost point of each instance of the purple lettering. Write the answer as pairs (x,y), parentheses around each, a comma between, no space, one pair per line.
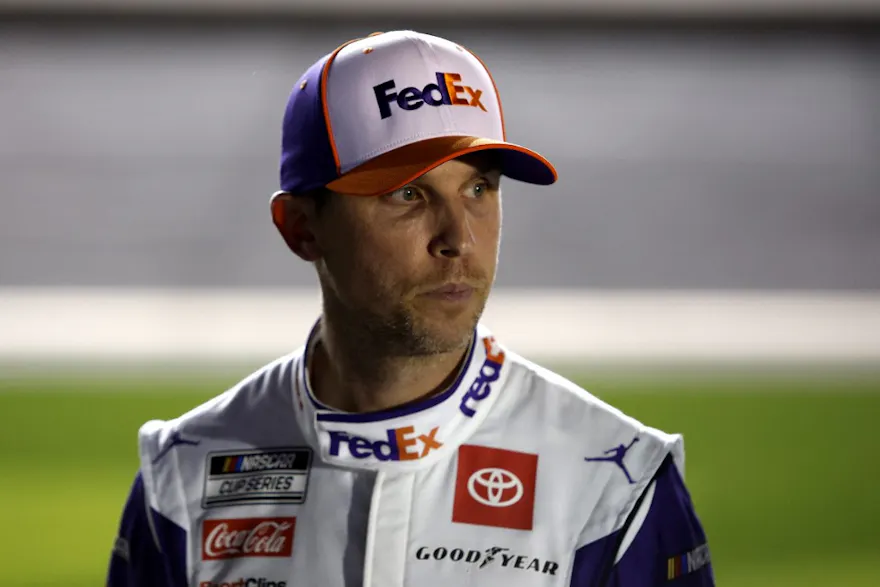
(337,438)
(442,94)
(410,99)
(383,98)
(360,448)
(444,90)
(480,390)
(387,451)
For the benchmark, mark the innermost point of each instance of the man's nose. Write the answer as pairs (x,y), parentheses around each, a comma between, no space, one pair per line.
(454,237)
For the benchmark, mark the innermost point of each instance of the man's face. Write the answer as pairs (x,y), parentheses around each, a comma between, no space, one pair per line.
(415,267)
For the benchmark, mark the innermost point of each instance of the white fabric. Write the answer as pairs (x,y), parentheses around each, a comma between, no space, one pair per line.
(630,535)
(409,59)
(397,522)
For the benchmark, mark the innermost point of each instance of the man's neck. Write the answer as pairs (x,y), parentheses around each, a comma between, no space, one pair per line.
(348,374)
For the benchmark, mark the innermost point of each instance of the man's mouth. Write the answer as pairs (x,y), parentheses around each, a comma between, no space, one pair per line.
(451,292)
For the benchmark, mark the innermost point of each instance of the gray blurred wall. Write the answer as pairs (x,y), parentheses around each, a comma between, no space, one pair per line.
(143,155)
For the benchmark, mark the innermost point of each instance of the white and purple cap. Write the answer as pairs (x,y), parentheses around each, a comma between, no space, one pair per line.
(378,112)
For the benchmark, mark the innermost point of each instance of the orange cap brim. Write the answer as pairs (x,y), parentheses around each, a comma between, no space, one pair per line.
(395,169)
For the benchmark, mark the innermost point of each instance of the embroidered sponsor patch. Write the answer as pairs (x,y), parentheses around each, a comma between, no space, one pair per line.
(689,562)
(247,537)
(402,444)
(278,475)
(495,487)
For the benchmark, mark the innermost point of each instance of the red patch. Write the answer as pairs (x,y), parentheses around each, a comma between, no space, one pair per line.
(244,537)
(495,487)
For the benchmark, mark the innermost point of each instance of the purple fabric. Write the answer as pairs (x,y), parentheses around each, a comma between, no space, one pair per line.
(136,562)
(522,167)
(590,560)
(306,155)
(671,529)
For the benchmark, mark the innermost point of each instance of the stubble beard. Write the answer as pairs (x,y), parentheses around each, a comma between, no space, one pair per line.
(408,332)
(408,328)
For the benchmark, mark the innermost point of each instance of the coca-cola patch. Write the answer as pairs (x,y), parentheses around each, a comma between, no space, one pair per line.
(245,537)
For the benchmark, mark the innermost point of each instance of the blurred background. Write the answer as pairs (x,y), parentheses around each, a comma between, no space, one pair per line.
(709,260)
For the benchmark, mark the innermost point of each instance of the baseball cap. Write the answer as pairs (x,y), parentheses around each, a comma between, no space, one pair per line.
(380,111)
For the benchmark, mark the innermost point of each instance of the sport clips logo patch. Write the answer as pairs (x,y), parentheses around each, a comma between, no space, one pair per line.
(447,91)
(407,444)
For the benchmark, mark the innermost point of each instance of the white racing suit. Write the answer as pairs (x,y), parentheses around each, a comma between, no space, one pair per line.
(513,476)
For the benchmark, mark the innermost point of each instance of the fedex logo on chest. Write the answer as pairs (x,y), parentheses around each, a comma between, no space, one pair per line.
(446,91)
(402,444)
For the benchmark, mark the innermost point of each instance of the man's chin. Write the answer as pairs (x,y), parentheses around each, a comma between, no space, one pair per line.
(443,333)
(434,342)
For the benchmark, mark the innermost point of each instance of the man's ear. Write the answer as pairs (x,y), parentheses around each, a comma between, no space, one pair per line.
(294,216)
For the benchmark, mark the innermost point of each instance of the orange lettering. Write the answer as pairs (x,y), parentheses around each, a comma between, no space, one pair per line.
(475,98)
(430,441)
(491,353)
(404,441)
(454,90)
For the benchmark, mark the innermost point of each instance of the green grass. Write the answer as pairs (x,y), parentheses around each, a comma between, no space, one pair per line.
(783,470)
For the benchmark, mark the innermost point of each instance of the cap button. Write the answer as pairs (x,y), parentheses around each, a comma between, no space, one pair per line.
(303,85)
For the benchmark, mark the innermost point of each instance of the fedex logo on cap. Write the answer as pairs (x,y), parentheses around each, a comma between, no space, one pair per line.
(403,444)
(447,91)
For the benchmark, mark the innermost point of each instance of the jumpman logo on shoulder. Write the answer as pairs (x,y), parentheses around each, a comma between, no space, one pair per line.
(175,440)
(616,455)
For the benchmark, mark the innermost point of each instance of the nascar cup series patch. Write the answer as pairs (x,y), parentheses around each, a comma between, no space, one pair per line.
(277,475)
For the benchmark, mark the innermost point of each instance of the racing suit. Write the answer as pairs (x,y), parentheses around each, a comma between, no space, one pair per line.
(512,476)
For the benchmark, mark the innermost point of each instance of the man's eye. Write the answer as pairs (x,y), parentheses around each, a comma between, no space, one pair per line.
(479,189)
(405,194)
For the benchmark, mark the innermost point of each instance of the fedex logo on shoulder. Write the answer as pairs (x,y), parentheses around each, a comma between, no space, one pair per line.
(447,91)
(403,444)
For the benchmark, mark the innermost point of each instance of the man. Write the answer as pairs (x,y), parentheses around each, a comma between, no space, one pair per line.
(404,445)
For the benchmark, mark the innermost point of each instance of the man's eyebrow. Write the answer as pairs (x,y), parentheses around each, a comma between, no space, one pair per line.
(487,170)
